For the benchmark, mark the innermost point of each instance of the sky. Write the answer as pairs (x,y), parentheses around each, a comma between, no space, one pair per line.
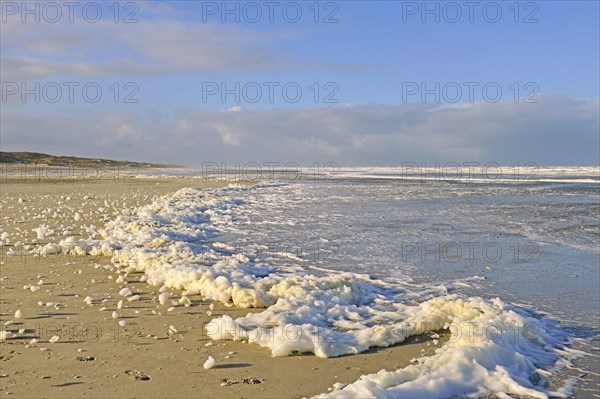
(357,83)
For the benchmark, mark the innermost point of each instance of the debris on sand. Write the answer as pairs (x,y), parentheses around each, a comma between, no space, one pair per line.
(249,381)
(137,375)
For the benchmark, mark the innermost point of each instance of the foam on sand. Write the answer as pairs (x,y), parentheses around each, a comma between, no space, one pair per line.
(493,347)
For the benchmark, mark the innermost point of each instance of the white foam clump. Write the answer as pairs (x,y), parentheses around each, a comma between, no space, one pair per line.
(491,350)
(163,298)
(18,314)
(330,315)
(209,363)
(42,231)
(51,249)
(185,301)
(4,335)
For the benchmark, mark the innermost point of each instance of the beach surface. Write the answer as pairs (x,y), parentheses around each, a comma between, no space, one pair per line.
(63,339)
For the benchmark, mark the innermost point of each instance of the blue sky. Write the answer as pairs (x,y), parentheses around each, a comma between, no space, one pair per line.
(538,63)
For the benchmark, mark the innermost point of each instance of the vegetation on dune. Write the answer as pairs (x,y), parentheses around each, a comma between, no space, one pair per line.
(54,160)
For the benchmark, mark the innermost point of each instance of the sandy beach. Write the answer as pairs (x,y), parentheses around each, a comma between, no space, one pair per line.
(311,199)
(157,350)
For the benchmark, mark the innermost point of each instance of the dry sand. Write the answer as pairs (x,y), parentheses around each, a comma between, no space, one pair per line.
(96,357)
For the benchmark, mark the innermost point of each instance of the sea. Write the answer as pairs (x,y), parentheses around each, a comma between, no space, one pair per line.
(501,244)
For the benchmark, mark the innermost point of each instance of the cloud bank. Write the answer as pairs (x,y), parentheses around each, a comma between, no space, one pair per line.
(555,131)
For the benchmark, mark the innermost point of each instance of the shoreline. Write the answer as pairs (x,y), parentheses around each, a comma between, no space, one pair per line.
(146,345)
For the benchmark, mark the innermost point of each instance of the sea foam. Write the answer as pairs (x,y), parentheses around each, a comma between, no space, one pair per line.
(492,347)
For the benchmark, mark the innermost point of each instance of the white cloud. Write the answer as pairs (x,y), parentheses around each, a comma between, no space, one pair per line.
(183,125)
(235,108)
(230,135)
(156,46)
(558,130)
